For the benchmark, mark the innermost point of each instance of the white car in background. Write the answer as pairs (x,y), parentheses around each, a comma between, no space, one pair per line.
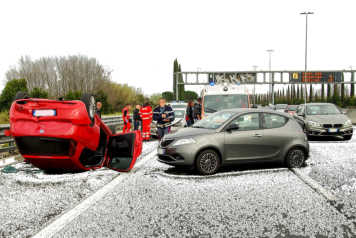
(179,109)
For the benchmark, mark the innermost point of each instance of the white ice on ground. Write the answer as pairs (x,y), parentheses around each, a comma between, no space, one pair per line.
(30,198)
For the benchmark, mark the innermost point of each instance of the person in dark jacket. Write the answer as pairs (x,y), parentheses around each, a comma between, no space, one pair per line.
(189,114)
(163,115)
(197,110)
(137,118)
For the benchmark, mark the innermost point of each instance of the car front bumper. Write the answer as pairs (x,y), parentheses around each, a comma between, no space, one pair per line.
(183,155)
(316,131)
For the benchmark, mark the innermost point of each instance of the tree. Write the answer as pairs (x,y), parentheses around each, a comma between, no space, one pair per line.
(154,99)
(38,93)
(100,96)
(9,92)
(175,70)
(190,95)
(181,85)
(169,96)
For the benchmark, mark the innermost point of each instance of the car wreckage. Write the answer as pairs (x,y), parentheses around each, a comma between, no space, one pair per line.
(69,135)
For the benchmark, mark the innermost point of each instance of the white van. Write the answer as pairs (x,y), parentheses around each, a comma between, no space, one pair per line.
(224,96)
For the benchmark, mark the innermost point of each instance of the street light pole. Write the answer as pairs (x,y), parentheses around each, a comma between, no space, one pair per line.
(306,54)
(254,85)
(270,51)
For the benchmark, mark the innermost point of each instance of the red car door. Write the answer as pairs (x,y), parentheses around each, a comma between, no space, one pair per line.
(123,150)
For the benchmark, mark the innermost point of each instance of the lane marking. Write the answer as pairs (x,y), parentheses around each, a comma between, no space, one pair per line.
(315,185)
(64,219)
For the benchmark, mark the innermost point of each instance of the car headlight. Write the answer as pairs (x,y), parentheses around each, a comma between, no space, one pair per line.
(348,123)
(314,124)
(184,141)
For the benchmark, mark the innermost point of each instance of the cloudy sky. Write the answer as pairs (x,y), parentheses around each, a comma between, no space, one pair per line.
(139,39)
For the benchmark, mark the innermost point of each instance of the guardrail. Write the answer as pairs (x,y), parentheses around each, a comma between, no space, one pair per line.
(8,146)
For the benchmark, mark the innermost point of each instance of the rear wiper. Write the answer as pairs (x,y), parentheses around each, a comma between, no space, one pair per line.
(198,127)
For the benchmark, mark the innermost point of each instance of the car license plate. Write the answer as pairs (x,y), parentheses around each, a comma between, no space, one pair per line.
(333,130)
(161,151)
(44,113)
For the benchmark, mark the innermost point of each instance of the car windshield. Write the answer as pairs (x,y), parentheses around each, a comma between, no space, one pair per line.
(281,106)
(326,109)
(179,113)
(214,121)
(292,107)
(214,103)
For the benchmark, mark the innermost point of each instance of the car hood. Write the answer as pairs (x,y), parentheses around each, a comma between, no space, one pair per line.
(189,132)
(328,119)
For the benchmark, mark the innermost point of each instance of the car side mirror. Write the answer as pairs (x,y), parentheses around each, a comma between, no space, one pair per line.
(232,127)
(301,114)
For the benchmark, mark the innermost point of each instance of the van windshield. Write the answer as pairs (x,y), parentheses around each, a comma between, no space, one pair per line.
(214,103)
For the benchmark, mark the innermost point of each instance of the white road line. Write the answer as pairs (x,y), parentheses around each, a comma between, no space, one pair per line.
(315,185)
(7,161)
(58,224)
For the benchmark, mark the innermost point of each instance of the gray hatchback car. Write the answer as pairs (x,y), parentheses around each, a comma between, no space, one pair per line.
(236,136)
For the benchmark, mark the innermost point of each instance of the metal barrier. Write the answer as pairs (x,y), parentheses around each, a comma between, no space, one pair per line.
(7,144)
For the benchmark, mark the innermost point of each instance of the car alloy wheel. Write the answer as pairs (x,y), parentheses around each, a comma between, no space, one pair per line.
(295,158)
(208,162)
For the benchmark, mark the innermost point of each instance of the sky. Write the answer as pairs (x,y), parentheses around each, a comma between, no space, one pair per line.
(139,39)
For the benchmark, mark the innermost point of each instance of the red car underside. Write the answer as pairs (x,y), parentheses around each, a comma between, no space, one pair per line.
(68,139)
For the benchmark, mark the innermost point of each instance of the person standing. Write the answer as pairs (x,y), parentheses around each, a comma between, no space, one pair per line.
(126,118)
(146,115)
(137,118)
(189,114)
(197,110)
(98,108)
(163,115)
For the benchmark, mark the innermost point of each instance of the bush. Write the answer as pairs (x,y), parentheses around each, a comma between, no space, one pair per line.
(73,95)
(190,95)
(9,92)
(169,96)
(38,93)
(4,117)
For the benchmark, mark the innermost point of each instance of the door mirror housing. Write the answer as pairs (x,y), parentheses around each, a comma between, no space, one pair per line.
(232,127)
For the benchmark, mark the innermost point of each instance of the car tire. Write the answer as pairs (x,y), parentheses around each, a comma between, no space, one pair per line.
(208,162)
(21,95)
(347,137)
(90,105)
(295,158)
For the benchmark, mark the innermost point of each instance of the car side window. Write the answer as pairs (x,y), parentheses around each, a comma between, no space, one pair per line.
(273,121)
(246,122)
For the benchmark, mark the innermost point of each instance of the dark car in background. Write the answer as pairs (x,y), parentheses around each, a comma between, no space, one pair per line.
(236,136)
(324,119)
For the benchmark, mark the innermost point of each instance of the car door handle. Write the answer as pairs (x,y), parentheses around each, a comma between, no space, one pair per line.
(257,135)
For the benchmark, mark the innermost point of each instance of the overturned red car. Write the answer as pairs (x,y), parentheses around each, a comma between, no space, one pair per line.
(69,135)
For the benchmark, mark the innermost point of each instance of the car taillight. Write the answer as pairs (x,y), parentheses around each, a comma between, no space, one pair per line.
(72,146)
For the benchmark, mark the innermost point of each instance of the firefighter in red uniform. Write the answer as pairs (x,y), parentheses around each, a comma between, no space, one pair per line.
(126,118)
(146,116)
